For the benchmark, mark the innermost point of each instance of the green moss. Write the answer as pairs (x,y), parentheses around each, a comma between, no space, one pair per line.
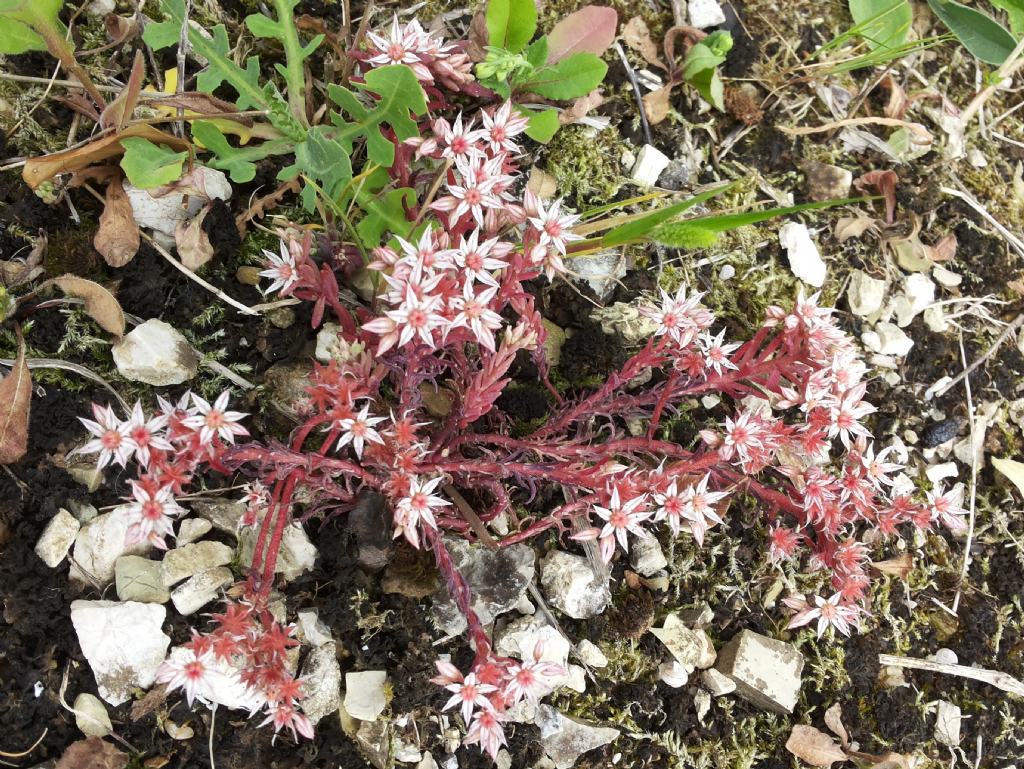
(586,163)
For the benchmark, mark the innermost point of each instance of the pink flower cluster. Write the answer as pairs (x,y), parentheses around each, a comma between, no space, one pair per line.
(426,54)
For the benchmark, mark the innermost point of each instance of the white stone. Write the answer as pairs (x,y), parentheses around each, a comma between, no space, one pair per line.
(365,694)
(947,723)
(673,674)
(650,162)
(162,214)
(192,529)
(946,278)
(57,538)
(601,270)
(91,716)
(865,294)
(576,678)
(520,637)
(565,739)
(626,321)
(918,293)
(224,514)
(702,704)
(137,578)
(312,630)
(427,762)
(945,656)
(591,655)
(705,13)
(123,644)
(935,319)
(326,342)
(804,258)
(691,648)
(297,556)
(99,9)
(767,672)
(184,562)
(937,473)
(572,587)
(100,543)
(728,272)
(197,591)
(891,340)
(646,557)
(322,676)
(155,353)
(717,683)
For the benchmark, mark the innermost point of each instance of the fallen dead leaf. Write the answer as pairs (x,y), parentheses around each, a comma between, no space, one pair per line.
(656,104)
(14,272)
(885,761)
(834,721)
(814,747)
(579,108)
(591,29)
(193,243)
(478,38)
(853,227)
(896,567)
(120,110)
(885,181)
(542,184)
(945,249)
(117,238)
(15,403)
(92,753)
(100,304)
(637,36)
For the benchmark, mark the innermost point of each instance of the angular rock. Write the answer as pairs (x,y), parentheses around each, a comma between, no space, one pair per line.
(646,556)
(497,580)
(591,655)
(865,294)
(717,683)
(192,529)
(601,271)
(804,258)
(184,562)
(947,723)
(825,182)
(366,694)
(224,514)
(705,13)
(520,637)
(91,716)
(673,674)
(155,353)
(565,739)
(370,522)
(650,162)
(162,214)
(891,340)
(139,579)
(123,644)
(766,671)
(571,585)
(553,342)
(197,591)
(312,630)
(918,294)
(322,676)
(297,555)
(57,538)
(100,543)
(691,648)
(699,617)
(626,321)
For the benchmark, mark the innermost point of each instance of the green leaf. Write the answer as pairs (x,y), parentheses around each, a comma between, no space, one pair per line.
(149,165)
(983,36)
(322,157)
(537,53)
(399,94)
(882,23)
(384,213)
(707,228)
(639,228)
(161,34)
(227,158)
(570,78)
(543,125)
(1014,13)
(16,38)
(511,23)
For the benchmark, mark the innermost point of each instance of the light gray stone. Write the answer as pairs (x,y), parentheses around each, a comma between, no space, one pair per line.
(322,676)
(625,320)
(198,590)
(767,672)
(591,655)
(691,648)
(366,694)
(804,258)
(601,270)
(91,716)
(827,182)
(865,294)
(57,538)
(717,683)
(100,543)
(673,674)
(192,529)
(650,162)
(646,556)
(155,353)
(497,580)
(123,644)
(224,514)
(565,739)
(705,13)
(572,587)
(297,555)
(312,630)
(947,723)
(184,562)
(139,579)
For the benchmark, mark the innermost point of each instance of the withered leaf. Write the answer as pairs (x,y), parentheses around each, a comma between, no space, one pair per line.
(814,747)
(200,103)
(637,36)
(581,107)
(853,227)
(120,110)
(656,104)
(15,401)
(900,566)
(478,38)
(117,238)
(834,721)
(43,168)
(193,243)
(100,304)
(92,753)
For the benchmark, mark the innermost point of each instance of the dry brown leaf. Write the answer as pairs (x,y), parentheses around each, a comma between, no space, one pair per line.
(258,208)
(581,107)
(884,181)
(945,249)
(15,272)
(15,402)
(479,38)
(814,747)
(885,761)
(100,304)
(898,102)
(853,227)
(117,238)
(834,721)
(200,103)
(656,104)
(193,243)
(42,169)
(92,753)
(542,184)
(120,110)
(896,567)
(637,36)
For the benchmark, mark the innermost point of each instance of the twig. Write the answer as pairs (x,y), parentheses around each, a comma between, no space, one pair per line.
(27,750)
(636,92)
(1015,324)
(34,363)
(179,127)
(923,134)
(471,517)
(974,479)
(224,371)
(969,199)
(63,83)
(213,721)
(1002,681)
